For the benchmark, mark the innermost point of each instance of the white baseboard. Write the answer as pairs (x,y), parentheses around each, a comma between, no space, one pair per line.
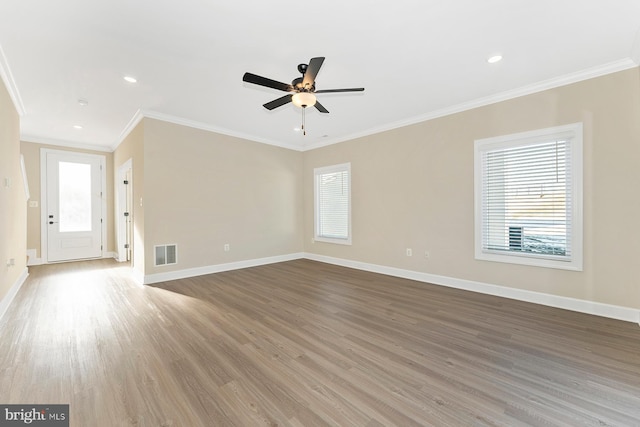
(32,259)
(117,258)
(583,306)
(13,291)
(218,268)
(138,276)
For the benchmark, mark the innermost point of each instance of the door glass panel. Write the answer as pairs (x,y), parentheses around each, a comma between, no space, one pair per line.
(75,197)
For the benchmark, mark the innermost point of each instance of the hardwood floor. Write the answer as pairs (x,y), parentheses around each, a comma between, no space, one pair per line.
(303,344)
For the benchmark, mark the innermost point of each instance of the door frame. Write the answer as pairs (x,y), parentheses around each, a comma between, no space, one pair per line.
(44,206)
(121,204)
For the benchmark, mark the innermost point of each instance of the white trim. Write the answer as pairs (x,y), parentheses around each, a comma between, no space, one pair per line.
(617,312)
(218,268)
(25,181)
(10,84)
(601,70)
(590,73)
(32,259)
(13,291)
(120,203)
(212,128)
(572,132)
(635,49)
(343,167)
(68,144)
(43,199)
(137,275)
(137,118)
(583,306)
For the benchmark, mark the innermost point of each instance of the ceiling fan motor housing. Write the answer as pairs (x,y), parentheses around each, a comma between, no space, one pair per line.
(297,83)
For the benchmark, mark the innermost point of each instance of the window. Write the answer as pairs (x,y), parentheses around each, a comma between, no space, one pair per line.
(528,198)
(333,204)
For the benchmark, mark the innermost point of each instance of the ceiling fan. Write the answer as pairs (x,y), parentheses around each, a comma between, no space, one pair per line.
(302,90)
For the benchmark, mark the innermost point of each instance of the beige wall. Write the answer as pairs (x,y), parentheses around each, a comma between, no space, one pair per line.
(132,148)
(204,190)
(31,153)
(13,201)
(413,188)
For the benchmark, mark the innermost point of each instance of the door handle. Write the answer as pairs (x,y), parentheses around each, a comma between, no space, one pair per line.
(51,222)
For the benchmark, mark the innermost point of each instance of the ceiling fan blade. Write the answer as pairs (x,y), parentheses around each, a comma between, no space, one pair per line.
(263,81)
(321,108)
(312,72)
(353,89)
(278,102)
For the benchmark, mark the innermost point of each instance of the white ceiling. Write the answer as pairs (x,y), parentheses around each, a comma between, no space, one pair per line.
(416,60)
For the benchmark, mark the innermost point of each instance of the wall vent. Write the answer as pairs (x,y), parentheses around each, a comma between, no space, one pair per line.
(166,254)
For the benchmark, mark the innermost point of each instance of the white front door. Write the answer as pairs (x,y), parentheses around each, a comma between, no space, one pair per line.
(74,205)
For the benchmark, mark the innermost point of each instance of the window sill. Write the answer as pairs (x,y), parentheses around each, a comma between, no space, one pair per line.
(333,240)
(524,259)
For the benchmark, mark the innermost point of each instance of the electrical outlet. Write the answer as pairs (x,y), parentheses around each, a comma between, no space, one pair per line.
(33,203)
(227,248)
(409,252)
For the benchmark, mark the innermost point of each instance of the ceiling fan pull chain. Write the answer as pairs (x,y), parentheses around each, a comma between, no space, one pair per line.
(304,130)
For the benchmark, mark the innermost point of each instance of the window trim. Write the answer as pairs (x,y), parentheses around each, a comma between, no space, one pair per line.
(316,215)
(574,132)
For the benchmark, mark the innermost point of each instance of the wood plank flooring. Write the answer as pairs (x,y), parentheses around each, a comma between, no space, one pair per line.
(303,343)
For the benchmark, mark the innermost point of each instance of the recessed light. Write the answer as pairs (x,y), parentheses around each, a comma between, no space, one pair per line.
(130,79)
(77,127)
(495,58)
(296,129)
(83,102)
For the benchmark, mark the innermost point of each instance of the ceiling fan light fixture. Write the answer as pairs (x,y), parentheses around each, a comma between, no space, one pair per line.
(304,99)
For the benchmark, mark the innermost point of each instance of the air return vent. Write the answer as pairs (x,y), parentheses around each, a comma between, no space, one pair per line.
(166,254)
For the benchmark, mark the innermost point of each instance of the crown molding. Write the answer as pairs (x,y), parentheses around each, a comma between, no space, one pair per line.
(61,143)
(211,128)
(567,79)
(576,77)
(133,122)
(635,49)
(10,84)
(151,114)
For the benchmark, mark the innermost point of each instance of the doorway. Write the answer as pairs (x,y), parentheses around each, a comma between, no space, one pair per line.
(73,205)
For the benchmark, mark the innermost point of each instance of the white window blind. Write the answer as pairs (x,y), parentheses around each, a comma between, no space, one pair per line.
(527,199)
(332,204)
(526,205)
